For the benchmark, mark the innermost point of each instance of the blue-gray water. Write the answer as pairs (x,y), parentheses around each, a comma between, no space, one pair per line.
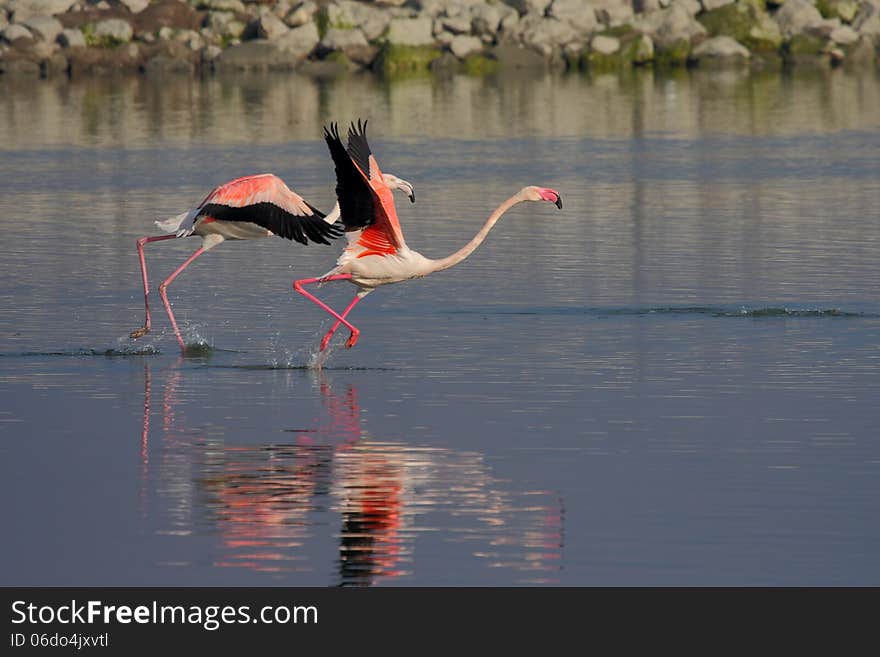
(673,380)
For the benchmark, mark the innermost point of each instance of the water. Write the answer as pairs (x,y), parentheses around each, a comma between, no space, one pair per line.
(672,381)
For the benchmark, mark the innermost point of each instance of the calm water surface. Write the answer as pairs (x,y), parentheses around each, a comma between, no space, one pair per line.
(675,380)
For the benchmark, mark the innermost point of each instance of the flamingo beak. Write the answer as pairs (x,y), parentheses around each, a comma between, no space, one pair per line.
(558,201)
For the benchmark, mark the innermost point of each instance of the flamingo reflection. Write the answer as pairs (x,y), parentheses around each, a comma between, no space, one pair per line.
(273,505)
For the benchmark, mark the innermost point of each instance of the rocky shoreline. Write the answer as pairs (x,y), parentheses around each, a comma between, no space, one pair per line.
(50,38)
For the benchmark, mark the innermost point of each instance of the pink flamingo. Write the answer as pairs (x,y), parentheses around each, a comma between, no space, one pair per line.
(377,253)
(243,209)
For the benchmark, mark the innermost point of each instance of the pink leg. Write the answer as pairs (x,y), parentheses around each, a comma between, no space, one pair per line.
(333,328)
(139,333)
(297,285)
(162,293)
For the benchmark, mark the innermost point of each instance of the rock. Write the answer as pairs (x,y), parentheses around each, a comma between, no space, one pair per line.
(643,50)
(46,28)
(867,21)
(70,38)
(462,46)
(720,47)
(210,53)
(166,13)
(268,26)
(486,18)
(614,13)
(254,55)
(345,14)
(24,9)
(709,5)
(745,22)
(547,35)
(671,25)
(113,31)
(460,24)
(845,10)
(578,13)
(844,35)
(300,41)
(795,16)
(410,32)
(533,7)
(401,59)
(15,32)
(225,24)
(605,45)
(338,39)
(301,14)
(191,38)
(692,7)
(135,6)
(236,6)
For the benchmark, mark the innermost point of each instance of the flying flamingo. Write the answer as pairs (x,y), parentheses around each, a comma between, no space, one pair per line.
(377,253)
(242,209)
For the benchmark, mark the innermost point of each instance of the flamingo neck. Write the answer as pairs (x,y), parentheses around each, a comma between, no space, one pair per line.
(467,249)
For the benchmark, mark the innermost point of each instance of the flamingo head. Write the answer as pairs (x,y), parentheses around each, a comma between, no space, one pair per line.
(542,194)
(404,186)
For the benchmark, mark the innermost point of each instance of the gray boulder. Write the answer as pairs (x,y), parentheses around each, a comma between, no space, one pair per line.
(867,20)
(299,41)
(709,5)
(268,26)
(23,9)
(670,25)
(614,13)
(338,39)
(795,16)
(844,35)
(223,5)
(225,24)
(486,18)
(461,46)
(410,32)
(720,48)
(459,24)
(71,38)
(301,14)
(578,13)
(15,31)
(547,35)
(605,45)
(114,29)
(255,55)
(135,6)
(46,28)
(346,14)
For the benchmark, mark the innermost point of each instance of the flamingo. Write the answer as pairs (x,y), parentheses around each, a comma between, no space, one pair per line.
(245,208)
(377,253)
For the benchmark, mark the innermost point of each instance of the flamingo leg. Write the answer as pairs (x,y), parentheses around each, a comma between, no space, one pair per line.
(326,340)
(298,286)
(139,333)
(162,293)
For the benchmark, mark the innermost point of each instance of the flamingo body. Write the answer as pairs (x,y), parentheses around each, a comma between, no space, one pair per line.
(246,208)
(377,253)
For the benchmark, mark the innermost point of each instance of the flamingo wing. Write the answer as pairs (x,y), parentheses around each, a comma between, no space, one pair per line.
(265,200)
(365,200)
